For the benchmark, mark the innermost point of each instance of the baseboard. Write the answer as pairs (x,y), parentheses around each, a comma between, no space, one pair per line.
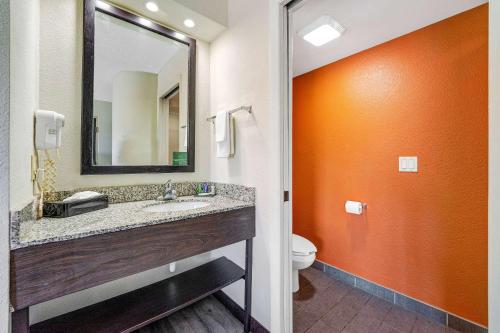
(237,312)
(401,300)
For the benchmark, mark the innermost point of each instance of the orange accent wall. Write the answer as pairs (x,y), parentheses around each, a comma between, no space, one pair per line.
(423,94)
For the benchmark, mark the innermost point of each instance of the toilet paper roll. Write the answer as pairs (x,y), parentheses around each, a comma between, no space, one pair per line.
(354,207)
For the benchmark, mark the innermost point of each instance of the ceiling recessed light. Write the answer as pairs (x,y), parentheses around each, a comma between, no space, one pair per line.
(152,6)
(189,23)
(322,31)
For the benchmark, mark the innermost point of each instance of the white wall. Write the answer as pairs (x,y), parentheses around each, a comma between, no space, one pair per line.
(60,90)
(240,75)
(4,164)
(213,9)
(494,168)
(135,106)
(24,96)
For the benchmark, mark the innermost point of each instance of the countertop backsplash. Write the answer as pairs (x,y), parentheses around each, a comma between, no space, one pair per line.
(128,193)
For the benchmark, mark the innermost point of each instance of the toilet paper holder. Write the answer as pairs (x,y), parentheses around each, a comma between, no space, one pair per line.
(355,207)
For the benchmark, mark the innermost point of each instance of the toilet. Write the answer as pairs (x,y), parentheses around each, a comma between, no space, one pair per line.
(303,255)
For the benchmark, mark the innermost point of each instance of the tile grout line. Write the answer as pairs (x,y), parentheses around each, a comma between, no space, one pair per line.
(344,328)
(336,304)
(354,282)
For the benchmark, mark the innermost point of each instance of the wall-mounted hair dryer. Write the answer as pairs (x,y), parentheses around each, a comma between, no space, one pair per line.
(48,128)
(48,125)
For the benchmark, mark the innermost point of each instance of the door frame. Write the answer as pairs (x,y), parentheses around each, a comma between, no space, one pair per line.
(162,123)
(285,101)
(4,163)
(494,168)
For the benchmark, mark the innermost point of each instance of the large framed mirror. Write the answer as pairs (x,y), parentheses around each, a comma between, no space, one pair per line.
(138,94)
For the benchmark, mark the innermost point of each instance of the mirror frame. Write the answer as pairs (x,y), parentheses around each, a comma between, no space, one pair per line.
(87,167)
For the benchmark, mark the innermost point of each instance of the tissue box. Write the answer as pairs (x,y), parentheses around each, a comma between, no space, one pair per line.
(76,207)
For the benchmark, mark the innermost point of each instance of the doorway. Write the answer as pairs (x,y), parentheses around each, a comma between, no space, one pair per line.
(294,7)
(168,126)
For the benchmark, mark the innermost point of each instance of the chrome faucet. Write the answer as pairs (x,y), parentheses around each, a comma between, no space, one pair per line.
(170,193)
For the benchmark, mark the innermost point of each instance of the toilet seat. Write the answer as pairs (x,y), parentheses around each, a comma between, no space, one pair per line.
(302,247)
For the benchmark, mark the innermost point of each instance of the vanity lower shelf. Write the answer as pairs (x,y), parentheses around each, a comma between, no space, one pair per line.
(131,311)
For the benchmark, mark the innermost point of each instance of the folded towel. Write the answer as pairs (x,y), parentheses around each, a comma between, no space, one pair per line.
(221,126)
(232,129)
(225,148)
(82,195)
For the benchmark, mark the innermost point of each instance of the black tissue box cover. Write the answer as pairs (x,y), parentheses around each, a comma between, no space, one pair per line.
(71,208)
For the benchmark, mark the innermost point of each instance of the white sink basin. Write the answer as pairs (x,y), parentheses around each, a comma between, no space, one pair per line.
(175,206)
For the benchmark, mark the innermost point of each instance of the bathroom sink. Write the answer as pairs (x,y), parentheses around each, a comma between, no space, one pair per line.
(175,206)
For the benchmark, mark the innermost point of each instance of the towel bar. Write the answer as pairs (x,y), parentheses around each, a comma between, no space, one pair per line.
(241,108)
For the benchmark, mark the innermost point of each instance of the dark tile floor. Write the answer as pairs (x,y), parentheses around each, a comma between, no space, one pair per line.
(324,305)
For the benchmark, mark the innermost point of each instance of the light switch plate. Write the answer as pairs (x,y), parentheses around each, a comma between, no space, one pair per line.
(408,164)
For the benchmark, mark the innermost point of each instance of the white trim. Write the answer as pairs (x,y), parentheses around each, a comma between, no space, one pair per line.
(287,325)
(162,136)
(494,168)
(4,163)
(279,55)
(285,89)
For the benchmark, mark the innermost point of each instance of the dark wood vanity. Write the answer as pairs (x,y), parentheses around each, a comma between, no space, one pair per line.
(43,272)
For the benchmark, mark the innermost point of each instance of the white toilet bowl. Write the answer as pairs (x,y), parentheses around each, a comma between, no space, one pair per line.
(303,256)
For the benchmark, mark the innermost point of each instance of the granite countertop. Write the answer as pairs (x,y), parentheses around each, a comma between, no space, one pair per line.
(117,217)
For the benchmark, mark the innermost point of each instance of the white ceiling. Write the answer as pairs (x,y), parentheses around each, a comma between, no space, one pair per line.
(213,9)
(121,46)
(368,23)
(172,13)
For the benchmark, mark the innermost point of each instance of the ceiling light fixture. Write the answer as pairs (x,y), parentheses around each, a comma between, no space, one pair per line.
(189,23)
(322,31)
(152,6)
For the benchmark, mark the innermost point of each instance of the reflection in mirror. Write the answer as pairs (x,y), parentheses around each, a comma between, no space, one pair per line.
(140,106)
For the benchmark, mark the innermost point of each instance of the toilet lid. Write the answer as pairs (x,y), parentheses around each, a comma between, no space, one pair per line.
(302,246)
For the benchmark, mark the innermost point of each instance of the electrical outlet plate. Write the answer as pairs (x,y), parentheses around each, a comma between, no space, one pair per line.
(408,164)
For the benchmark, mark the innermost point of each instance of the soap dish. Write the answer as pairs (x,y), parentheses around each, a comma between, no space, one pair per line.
(71,208)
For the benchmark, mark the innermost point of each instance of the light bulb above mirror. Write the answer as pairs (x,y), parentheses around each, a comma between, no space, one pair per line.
(152,6)
(189,23)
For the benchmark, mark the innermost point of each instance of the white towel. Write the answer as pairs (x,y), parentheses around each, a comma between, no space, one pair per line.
(185,137)
(223,137)
(221,126)
(232,130)
(82,195)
